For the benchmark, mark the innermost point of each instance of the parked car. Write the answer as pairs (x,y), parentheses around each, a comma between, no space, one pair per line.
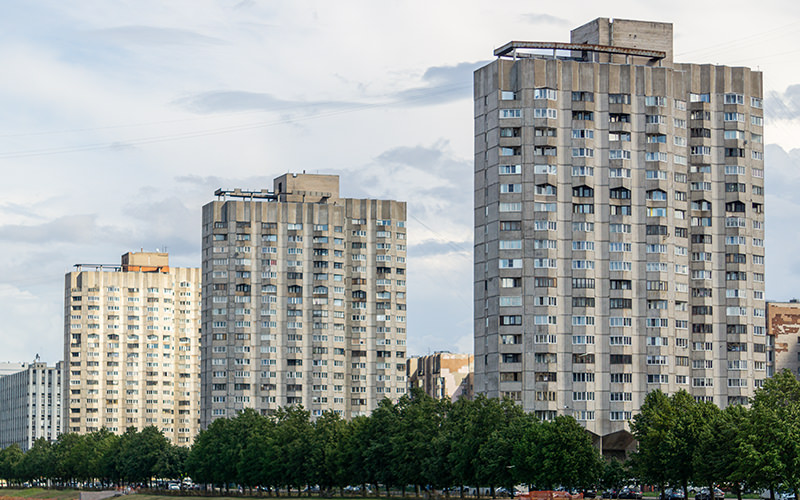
(590,493)
(704,495)
(630,492)
(674,494)
(610,493)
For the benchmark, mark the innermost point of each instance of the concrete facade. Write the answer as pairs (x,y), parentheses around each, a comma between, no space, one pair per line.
(132,347)
(442,375)
(304,299)
(619,216)
(31,404)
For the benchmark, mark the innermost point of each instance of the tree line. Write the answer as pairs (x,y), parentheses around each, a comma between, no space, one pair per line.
(438,444)
(682,441)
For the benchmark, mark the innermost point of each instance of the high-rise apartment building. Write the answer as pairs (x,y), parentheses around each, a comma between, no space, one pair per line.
(619,216)
(304,299)
(442,375)
(30,404)
(132,347)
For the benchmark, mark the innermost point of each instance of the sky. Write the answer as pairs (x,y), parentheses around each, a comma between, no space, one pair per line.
(118,120)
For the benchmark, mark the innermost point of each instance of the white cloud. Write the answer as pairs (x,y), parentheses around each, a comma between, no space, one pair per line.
(162,102)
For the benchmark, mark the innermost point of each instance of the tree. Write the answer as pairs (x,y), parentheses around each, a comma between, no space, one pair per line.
(718,457)
(290,454)
(615,474)
(653,428)
(10,458)
(494,465)
(771,444)
(326,448)
(691,423)
(381,429)
(419,423)
(37,463)
(71,454)
(214,456)
(568,457)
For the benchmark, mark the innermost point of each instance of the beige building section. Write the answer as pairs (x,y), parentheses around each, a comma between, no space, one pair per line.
(619,216)
(442,375)
(304,299)
(132,347)
(783,325)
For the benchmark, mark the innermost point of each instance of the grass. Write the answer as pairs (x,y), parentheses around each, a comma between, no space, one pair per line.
(41,493)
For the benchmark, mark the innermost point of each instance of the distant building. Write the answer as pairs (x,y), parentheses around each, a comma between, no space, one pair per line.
(304,299)
(7,367)
(783,327)
(30,404)
(132,347)
(442,375)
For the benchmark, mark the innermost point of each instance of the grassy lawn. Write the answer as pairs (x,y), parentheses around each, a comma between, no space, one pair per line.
(40,493)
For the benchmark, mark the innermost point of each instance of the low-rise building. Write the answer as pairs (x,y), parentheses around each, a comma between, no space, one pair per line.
(783,327)
(442,375)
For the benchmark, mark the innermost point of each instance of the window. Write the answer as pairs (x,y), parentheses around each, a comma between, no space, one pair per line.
(510,169)
(619,137)
(619,154)
(510,132)
(620,193)
(545,93)
(510,113)
(545,132)
(583,96)
(624,173)
(619,98)
(582,320)
(510,263)
(546,189)
(733,117)
(655,156)
(582,171)
(544,282)
(510,320)
(582,283)
(545,113)
(510,207)
(619,247)
(582,133)
(545,169)
(582,153)
(734,99)
(510,244)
